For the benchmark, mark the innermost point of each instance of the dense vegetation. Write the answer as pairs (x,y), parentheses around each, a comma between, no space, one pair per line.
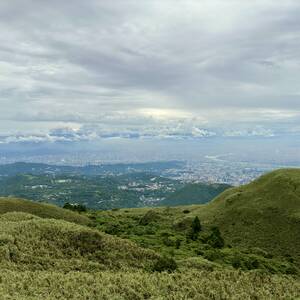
(264,214)
(177,232)
(194,193)
(187,252)
(41,210)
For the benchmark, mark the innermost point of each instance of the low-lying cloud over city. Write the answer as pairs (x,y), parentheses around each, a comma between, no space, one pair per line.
(84,70)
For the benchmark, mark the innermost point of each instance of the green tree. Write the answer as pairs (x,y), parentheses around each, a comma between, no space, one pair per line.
(165,263)
(195,229)
(196,225)
(215,239)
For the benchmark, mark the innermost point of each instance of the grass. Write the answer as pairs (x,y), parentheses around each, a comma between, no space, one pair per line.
(31,243)
(194,193)
(167,231)
(41,210)
(44,254)
(264,214)
(108,285)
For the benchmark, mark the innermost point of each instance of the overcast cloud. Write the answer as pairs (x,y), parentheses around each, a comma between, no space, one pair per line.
(148,68)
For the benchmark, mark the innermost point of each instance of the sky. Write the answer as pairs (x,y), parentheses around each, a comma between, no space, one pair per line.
(91,70)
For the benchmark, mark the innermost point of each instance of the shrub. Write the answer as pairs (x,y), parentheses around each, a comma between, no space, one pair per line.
(177,243)
(150,216)
(165,263)
(215,239)
(75,207)
(213,255)
(167,241)
(195,229)
(196,225)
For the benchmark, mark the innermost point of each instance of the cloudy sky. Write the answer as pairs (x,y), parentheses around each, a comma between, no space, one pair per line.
(145,68)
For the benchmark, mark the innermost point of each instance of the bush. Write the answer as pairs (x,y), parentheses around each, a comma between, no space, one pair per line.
(213,255)
(195,229)
(177,243)
(165,263)
(150,216)
(215,239)
(75,207)
(196,225)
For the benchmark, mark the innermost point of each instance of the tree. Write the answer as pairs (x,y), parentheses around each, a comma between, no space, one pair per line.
(196,225)
(165,264)
(195,229)
(215,239)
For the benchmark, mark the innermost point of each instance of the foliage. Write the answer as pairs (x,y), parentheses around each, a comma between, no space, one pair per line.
(214,239)
(44,254)
(41,210)
(196,225)
(108,285)
(194,193)
(75,207)
(263,214)
(165,263)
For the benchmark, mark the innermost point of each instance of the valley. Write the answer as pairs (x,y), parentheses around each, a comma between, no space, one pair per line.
(104,187)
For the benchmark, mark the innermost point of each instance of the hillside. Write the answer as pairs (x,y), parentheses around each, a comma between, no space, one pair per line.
(53,259)
(264,213)
(30,243)
(157,253)
(194,193)
(41,210)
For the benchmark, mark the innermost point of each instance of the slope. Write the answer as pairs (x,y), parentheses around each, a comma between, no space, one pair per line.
(264,213)
(41,210)
(194,193)
(31,243)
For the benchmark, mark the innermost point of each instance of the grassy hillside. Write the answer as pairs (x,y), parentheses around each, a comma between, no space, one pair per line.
(264,213)
(262,218)
(108,285)
(30,243)
(41,210)
(55,259)
(244,247)
(194,193)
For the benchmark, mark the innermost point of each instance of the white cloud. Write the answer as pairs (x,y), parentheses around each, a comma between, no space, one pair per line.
(149,68)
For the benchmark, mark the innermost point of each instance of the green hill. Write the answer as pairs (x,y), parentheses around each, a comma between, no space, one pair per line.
(264,213)
(194,193)
(41,210)
(30,243)
(153,253)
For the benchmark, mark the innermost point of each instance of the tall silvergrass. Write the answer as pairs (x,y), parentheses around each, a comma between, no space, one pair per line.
(133,285)
(54,259)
